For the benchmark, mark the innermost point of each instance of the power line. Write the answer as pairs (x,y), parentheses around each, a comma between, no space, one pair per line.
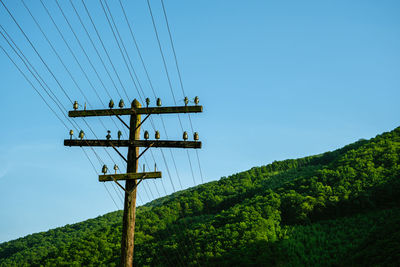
(47,67)
(95,48)
(123,46)
(104,48)
(34,88)
(26,37)
(133,80)
(52,110)
(81,46)
(77,61)
(180,78)
(26,62)
(151,86)
(168,76)
(137,48)
(90,128)
(58,56)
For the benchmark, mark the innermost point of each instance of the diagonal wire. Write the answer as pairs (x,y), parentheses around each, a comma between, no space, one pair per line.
(140,87)
(180,79)
(167,74)
(83,72)
(54,112)
(47,67)
(95,48)
(104,48)
(126,64)
(85,53)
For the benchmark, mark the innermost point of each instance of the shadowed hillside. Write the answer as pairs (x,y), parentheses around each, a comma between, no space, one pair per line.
(337,208)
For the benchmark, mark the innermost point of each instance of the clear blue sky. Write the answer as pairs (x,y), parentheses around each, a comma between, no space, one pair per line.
(278,80)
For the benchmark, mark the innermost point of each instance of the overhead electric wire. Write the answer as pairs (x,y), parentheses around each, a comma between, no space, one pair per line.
(163,58)
(87,11)
(44,63)
(59,31)
(126,64)
(80,66)
(94,26)
(37,91)
(95,48)
(145,159)
(137,49)
(108,56)
(168,76)
(47,67)
(170,85)
(138,81)
(83,49)
(52,110)
(180,78)
(48,91)
(38,78)
(119,47)
(85,53)
(59,57)
(78,63)
(104,48)
(99,78)
(169,174)
(94,168)
(131,65)
(123,46)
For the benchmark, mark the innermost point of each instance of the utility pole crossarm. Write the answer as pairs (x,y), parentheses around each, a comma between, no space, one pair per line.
(133,111)
(133,143)
(130,176)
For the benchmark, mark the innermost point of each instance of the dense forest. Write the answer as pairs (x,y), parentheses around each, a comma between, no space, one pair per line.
(340,208)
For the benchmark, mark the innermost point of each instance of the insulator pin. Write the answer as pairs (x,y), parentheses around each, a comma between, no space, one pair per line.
(185,136)
(158,102)
(121,104)
(75,105)
(157,135)
(104,169)
(111,104)
(146,135)
(196,136)
(81,134)
(108,136)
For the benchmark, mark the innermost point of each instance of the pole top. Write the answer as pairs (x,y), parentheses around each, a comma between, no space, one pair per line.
(136,103)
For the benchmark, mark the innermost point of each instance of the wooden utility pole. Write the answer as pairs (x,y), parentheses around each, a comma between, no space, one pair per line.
(128,221)
(132,177)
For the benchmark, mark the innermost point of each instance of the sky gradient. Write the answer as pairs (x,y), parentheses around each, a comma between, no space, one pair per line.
(277,80)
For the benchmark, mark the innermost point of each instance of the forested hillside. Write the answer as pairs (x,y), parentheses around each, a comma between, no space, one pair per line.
(335,209)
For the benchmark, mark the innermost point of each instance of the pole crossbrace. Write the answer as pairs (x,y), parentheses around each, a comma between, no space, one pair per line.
(145,150)
(148,115)
(119,153)
(123,122)
(115,181)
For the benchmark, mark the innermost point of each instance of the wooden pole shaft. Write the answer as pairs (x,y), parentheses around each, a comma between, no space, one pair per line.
(128,224)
